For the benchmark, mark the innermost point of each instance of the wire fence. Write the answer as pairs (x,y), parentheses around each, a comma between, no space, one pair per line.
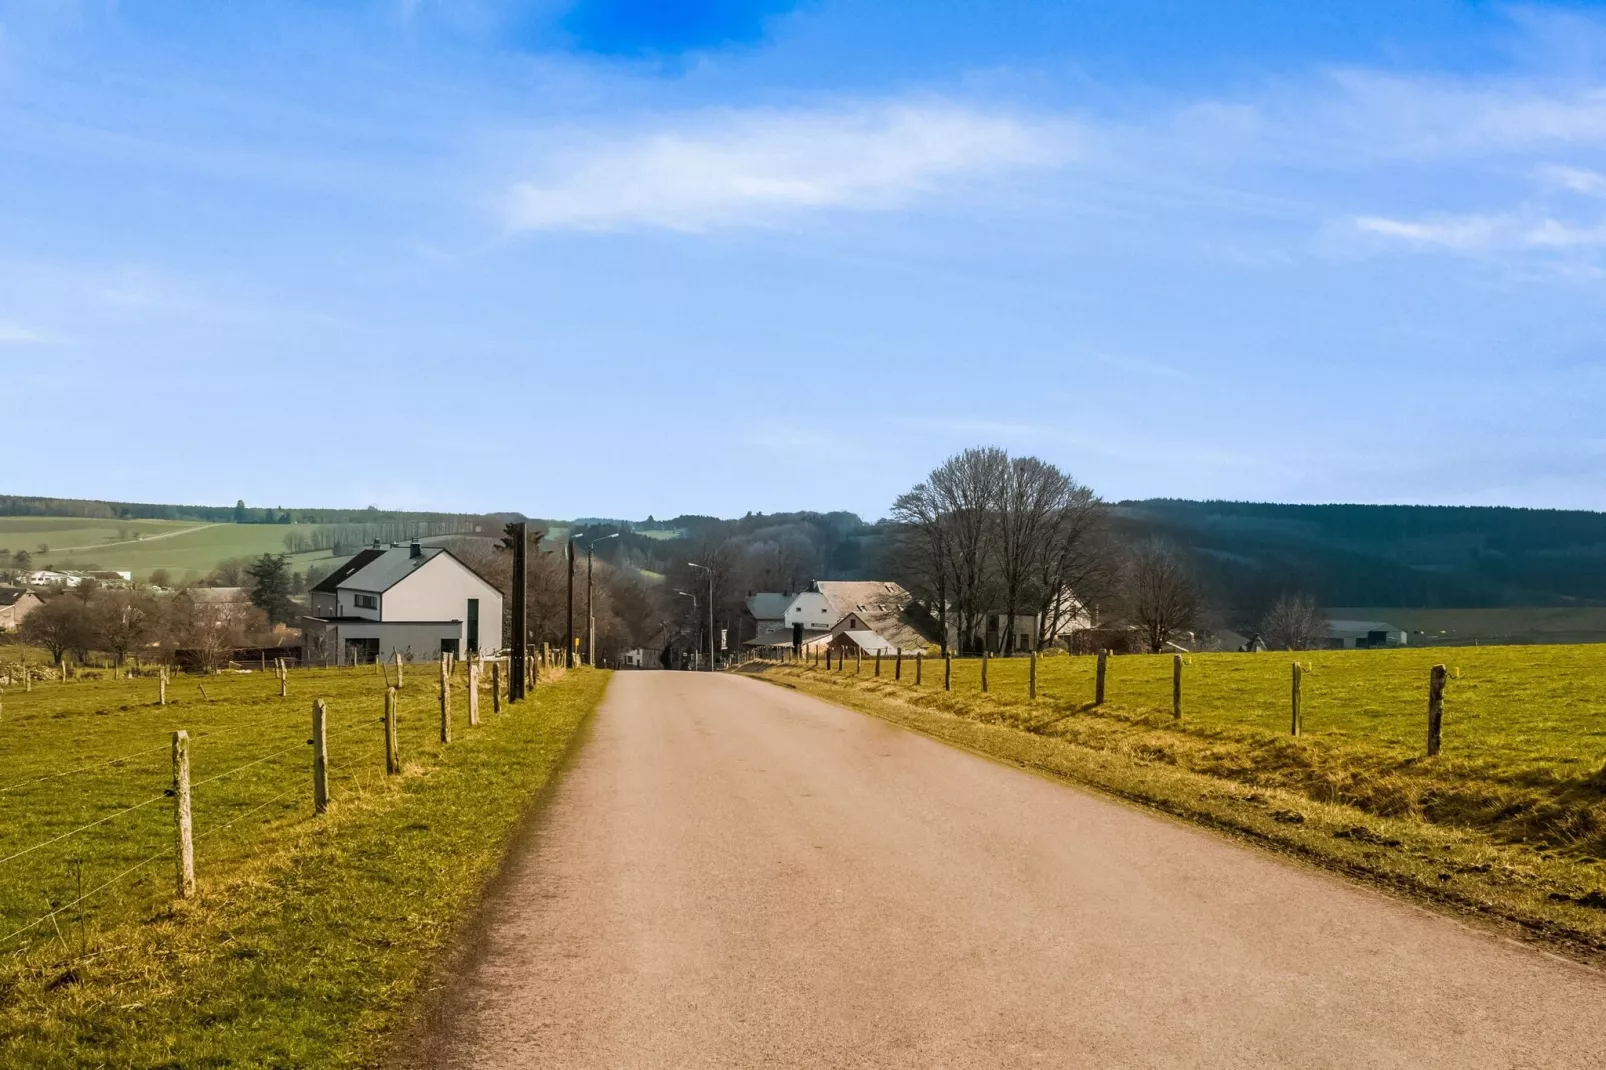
(62,821)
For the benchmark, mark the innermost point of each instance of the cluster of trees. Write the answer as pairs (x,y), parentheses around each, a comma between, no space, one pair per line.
(139,623)
(349,538)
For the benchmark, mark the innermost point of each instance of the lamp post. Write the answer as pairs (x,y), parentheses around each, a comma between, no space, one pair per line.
(568,639)
(688,594)
(710,572)
(591,614)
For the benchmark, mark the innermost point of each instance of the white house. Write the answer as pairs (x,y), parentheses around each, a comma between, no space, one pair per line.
(415,601)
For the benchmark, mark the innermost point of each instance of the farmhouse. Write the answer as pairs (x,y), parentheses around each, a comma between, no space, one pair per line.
(767,611)
(876,606)
(14,605)
(410,600)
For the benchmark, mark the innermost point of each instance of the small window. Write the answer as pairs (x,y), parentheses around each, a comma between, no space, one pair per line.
(366,601)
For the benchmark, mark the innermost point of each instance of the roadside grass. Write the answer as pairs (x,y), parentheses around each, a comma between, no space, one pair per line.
(1508,821)
(311,937)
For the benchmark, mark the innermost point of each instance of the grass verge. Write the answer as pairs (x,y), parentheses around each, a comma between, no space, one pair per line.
(1238,780)
(312,937)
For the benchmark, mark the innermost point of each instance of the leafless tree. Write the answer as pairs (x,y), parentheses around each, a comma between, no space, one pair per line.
(1077,568)
(966,488)
(124,621)
(1294,622)
(921,550)
(1028,504)
(1161,595)
(60,625)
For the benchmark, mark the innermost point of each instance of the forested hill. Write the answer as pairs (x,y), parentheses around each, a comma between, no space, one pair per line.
(1384,555)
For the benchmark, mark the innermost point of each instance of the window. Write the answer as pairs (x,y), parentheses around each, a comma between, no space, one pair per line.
(366,601)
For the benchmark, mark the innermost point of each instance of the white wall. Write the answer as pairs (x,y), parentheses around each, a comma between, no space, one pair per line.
(811,610)
(440,590)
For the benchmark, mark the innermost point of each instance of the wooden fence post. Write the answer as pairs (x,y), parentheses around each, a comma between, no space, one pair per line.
(397,655)
(392,743)
(947,672)
(1176,687)
(496,687)
(984,660)
(920,659)
(1299,671)
(1098,680)
(320,757)
(878,662)
(161,687)
(446,704)
(1435,708)
(284,679)
(897,665)
(184,828)
(858,659)
(1031,677)
(473,693)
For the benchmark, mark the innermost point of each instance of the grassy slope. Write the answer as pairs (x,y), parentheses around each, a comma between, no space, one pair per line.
(1510,821)
(311,936)
(195,551)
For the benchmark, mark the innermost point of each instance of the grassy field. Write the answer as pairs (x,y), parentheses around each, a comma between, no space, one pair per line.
(188,550)
(311,936)
(1491,627)
(1509,821)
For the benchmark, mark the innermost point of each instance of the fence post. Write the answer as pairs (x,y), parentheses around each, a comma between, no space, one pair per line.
(446,705)
(473,693)
(1435,708)
(496,687)
(1098,681)
(1299,671)
(284,679)
(392,744)
(320,757)
(920,659)
(897,665)
(184,828)
(984,660)
(161,687)
(947,672)
(1031,677)
(878,662)
(1176,687)
(397,655)
(858,659)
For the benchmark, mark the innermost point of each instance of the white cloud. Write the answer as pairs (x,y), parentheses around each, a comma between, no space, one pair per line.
(16,334)
(752,167)
(1487,233)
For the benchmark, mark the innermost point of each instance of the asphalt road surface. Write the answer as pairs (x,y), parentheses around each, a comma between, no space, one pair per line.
(731,874)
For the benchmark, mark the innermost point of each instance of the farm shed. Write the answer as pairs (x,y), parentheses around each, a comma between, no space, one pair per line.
(1362,635)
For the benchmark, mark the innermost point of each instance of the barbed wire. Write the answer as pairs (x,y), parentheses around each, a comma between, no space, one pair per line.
(83,828)
(93,891)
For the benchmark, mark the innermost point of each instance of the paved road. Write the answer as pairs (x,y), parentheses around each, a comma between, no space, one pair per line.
(735,875)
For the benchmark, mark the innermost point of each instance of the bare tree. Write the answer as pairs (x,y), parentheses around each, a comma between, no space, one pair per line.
(124,621)
(921,550)
(1161,594)
(966,488)
(60,625)
(1029,501)
(1294,622)
(1077,568)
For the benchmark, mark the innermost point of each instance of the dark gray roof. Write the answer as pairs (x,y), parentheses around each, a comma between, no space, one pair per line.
(380,570)
(767,605)
(331,583)
(10,595)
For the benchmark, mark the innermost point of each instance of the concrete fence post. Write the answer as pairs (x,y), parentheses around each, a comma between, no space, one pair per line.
(446,703)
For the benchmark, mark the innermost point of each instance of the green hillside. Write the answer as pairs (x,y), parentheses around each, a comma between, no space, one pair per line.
(186,549)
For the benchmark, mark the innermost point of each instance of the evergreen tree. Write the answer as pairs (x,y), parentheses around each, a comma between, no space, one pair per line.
(270,588)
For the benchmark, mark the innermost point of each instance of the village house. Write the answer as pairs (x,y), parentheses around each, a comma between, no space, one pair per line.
(15,604)
(415,601)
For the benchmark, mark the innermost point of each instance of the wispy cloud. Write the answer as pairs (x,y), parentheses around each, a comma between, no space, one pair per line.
(17,334)
(757,167)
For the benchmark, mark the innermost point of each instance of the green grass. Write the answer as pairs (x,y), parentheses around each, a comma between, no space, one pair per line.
(311,936)
(1509,820)
(188,550)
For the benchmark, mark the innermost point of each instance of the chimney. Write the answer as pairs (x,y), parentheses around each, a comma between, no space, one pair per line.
(376,544)
(417,550)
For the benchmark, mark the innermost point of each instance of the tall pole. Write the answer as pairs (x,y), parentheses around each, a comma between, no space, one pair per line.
(591,614)
(710,620)
(568,644)
(519,648)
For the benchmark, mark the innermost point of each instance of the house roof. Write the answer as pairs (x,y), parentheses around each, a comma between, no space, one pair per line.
(10,596)
(870,642)
(331,583)
(885,608)
(380,570)
(767,605)
(783,637)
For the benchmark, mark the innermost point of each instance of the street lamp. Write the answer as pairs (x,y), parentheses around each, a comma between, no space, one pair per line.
(688,594)
(591,614)
(710,572)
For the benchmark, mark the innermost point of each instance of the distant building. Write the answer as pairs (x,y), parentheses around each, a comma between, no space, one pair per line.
(419,602)
(767,611)
(1362,634)
(45,577)
(16,604)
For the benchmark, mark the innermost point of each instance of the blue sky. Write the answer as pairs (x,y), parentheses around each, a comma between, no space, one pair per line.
(739,256)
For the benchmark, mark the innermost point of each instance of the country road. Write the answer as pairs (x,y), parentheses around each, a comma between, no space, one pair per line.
(731,874)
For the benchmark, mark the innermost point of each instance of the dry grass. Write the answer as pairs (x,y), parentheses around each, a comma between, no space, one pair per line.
(1510,820)
(310,936)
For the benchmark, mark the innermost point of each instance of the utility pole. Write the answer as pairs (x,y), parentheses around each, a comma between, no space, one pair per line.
(518,653)
(591,613)
(568,643)
(710,572)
